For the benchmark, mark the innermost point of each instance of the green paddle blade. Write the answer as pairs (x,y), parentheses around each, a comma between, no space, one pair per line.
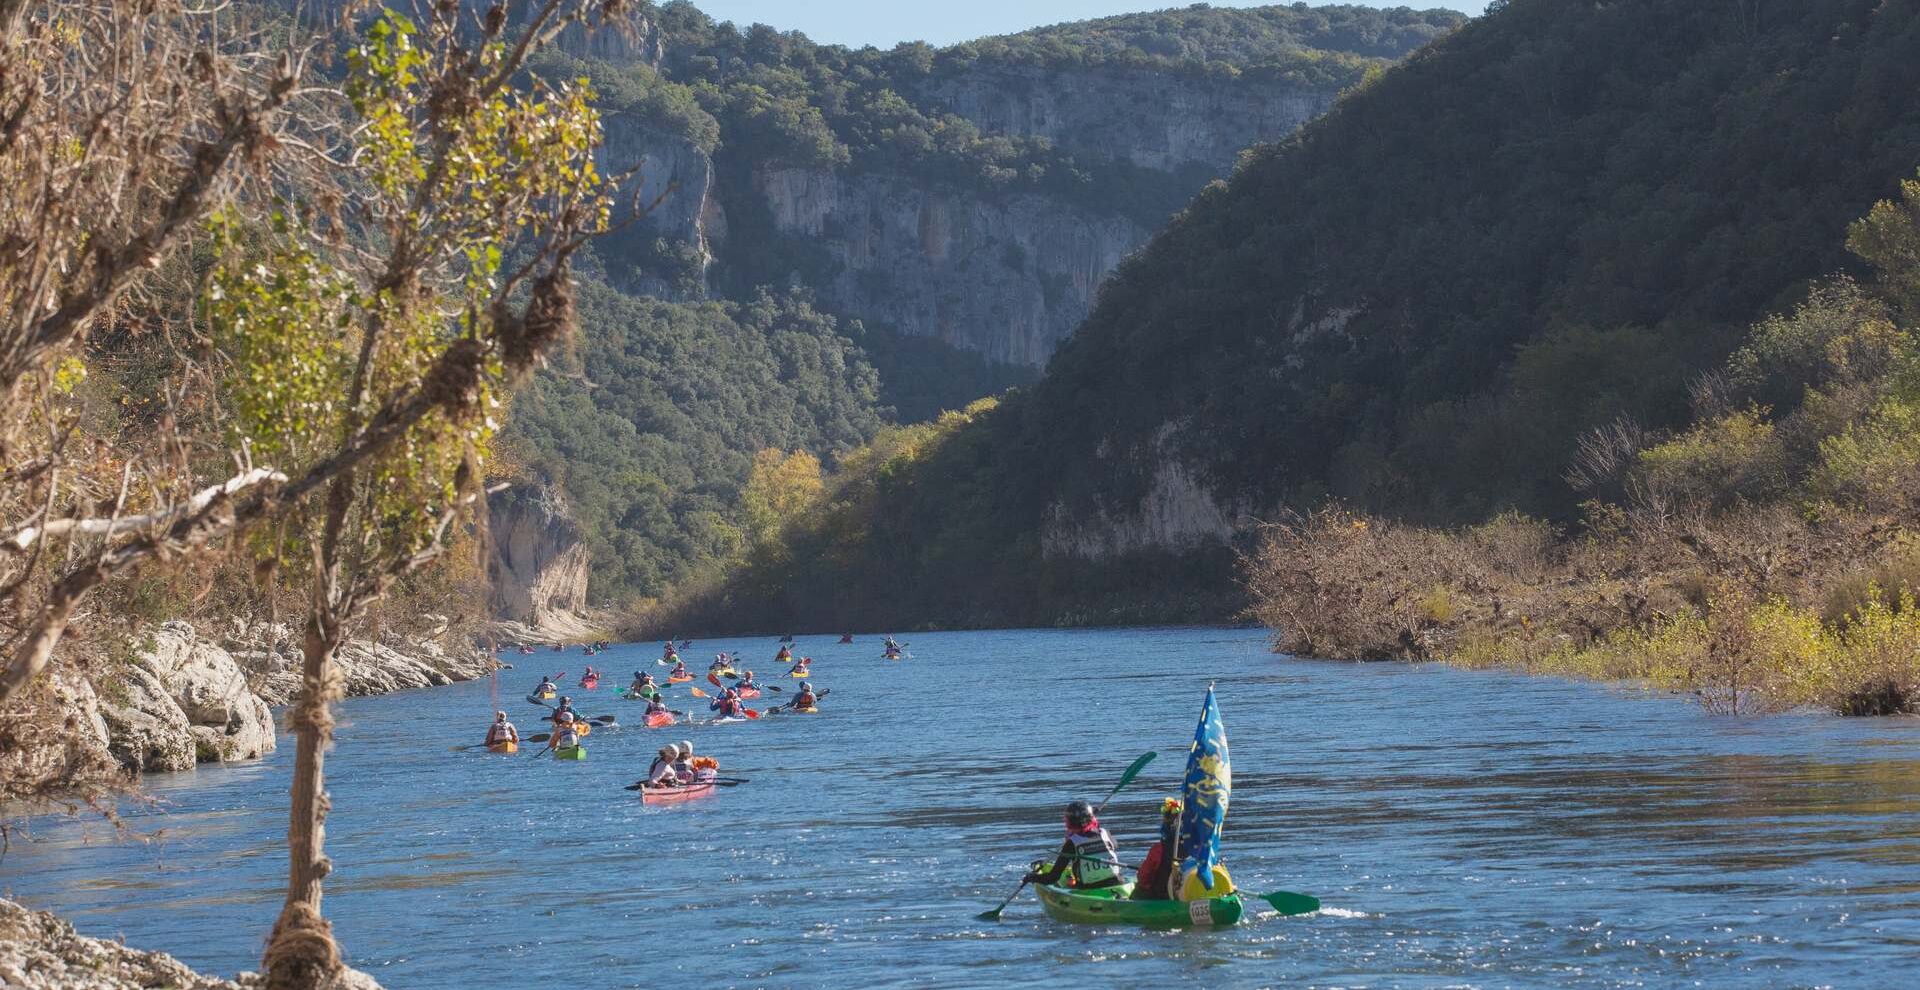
(1132,772)
(1289,903)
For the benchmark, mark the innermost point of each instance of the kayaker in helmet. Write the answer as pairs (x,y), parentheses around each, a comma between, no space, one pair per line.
(728,704)
(564,736)
(785,654)
(806,698)
(643,685)
(683,764)
(846,638)
(1088,858)
(564,708)
(502,731)
(1151,883)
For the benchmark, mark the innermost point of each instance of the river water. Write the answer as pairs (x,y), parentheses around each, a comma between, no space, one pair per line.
(1463,829)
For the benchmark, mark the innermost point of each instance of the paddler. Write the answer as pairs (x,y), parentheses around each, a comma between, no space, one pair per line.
(657,704)
(1088,857)
(679,669)
(746,680)
(546,686)
(806,698)
(590,675)
(502,731)
(1151,883)
(661,773)
(643,685)
(785,654)
(683,764)
(564,736)
(846,638)
(668,651)
(728,704)
(564,708)
(801,667)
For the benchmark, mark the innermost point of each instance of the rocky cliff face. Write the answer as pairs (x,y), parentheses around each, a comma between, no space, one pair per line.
(539,567)
(1008,277)
(1156,120)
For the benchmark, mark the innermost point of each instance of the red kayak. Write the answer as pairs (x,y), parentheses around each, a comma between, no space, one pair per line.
(659,720)
(668,795)
(589,682)
(750,692)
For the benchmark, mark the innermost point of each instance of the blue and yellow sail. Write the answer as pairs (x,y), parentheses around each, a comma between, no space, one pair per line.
(1205,792)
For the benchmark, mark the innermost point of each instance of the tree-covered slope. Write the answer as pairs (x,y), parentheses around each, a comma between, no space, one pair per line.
(1554,217)
(844,239)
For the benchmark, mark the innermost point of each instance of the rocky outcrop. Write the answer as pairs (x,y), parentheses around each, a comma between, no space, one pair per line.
(1177,513)
(1155,119)
(271,654)
(179,700)
(539,567)
(676,186)
(1008,277)
(39,951)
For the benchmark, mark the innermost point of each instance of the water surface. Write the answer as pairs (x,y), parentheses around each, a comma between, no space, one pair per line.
(1463,829)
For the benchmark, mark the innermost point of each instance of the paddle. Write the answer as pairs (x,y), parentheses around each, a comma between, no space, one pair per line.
(1125,779)
(640,785)
(1289,903)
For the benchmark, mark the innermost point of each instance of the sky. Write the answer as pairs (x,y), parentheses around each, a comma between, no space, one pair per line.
(885,23)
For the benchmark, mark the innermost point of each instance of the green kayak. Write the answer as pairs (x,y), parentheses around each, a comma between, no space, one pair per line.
(1111,906)
(570,753)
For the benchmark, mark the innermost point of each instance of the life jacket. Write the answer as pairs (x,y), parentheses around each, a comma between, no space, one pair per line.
(1096,860)
(804,699)
(565,738)
(500,732)
(654,771)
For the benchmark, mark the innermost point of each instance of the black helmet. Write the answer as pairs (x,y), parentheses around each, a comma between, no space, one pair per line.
(1079,814)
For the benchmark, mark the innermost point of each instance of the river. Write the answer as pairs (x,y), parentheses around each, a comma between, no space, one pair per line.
(1463,830)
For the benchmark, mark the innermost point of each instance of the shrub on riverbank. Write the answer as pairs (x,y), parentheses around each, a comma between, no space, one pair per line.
(1759,560)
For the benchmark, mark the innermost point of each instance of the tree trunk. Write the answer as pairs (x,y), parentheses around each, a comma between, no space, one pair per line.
(302,953)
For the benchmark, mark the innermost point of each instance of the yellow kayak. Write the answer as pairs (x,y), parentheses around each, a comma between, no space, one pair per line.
(508,746)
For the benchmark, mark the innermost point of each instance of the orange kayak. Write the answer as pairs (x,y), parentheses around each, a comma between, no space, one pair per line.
(752,692)
(679,678)
(659,720)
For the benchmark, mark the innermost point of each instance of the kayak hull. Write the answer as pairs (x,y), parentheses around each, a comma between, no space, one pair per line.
(749,692)
(680,680)
(670,795)
(804,711)
(570,753)
(503,747)
(1112,907)
(659,720)
(799,673)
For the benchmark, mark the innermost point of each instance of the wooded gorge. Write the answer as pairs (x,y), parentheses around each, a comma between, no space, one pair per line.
(1558,216)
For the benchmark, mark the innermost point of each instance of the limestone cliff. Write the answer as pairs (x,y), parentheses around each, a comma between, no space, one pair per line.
(1007,277)
(1157,120)
(539,567)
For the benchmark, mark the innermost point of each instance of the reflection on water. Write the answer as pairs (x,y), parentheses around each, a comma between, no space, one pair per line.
(1463,829)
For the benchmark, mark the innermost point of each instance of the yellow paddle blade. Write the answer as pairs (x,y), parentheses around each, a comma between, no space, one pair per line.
(699,693)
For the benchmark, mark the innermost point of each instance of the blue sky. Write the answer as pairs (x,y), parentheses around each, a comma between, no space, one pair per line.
(885,23)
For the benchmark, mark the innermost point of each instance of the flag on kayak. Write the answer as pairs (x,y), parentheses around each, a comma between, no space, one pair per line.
(1204,793)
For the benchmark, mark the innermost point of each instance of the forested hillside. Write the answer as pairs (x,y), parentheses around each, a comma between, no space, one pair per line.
(1554,218)
(841,240)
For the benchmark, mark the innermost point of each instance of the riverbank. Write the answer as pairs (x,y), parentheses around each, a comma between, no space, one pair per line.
(40,951)
(177,695)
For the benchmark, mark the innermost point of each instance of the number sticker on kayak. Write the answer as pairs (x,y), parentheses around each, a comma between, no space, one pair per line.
(1200,912)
